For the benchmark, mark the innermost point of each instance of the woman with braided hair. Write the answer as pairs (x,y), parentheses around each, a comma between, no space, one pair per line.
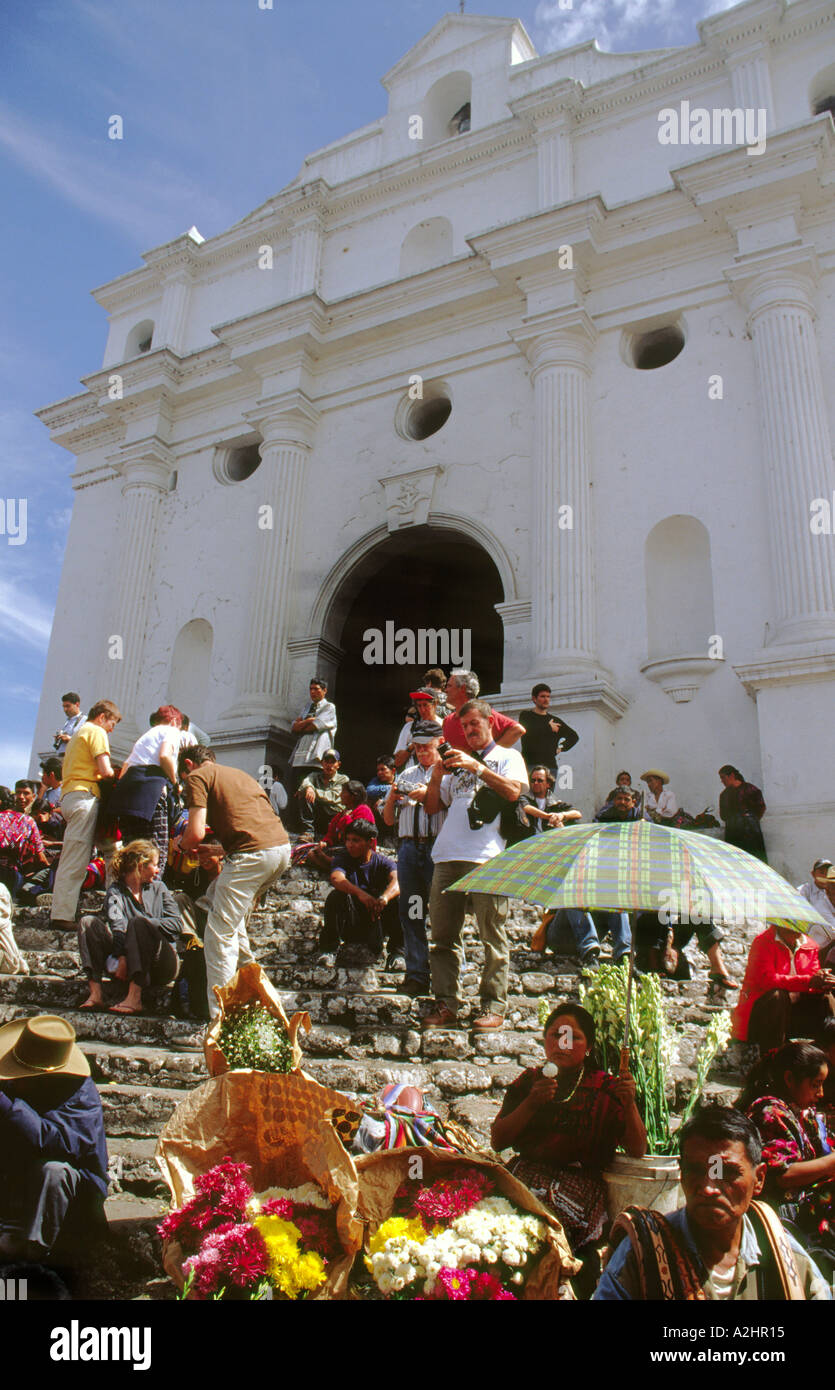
(782,1095)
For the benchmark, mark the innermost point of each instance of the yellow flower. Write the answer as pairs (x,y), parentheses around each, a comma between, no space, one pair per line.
(290,1271)
(397,1228)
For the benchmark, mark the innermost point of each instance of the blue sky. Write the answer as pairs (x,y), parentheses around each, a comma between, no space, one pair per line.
(220,101)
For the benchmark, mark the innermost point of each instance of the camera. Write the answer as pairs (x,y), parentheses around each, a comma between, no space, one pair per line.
(444,748)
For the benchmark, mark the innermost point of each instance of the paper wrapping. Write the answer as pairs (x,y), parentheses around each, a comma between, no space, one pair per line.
(380,1175)
(250,985)
(276,1124)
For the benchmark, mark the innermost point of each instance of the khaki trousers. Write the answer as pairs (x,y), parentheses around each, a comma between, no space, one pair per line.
(446,955)
(225,940)
(80,811)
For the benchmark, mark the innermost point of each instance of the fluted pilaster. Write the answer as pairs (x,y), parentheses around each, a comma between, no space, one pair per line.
(305,255)
(797,443)
(563,610)
(145,482)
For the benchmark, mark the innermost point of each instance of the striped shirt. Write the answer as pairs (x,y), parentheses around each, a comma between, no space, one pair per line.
(416,776)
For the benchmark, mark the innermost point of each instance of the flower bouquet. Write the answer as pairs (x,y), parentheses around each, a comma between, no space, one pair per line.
(253,1167)
(446,1227)
(237,1243)
(253,1031)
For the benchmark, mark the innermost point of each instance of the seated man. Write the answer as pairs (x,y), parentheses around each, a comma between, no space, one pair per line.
(722,1244)
(572,929)
(363,909)
(544,810)
(46,809)
(22,853)
(319,796)
(53,1154)
(820,892)
(621,807)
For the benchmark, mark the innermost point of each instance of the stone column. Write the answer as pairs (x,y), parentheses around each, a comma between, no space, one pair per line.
(563,608)
(796,440)
(171,328)
(276,526)
(146,474)
(751,82)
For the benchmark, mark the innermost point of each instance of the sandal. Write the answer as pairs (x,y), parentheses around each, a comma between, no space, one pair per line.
(93,1006)
(719,985)
(129,1013)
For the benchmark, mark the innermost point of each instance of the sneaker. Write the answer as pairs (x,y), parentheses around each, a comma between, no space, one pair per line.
(489,1021)
(441,1017)
(395,962)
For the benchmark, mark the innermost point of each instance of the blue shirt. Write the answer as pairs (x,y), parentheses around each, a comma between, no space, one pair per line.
(59,1121)
(611,1288)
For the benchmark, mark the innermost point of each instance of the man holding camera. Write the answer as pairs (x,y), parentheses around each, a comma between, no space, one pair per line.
(474,786)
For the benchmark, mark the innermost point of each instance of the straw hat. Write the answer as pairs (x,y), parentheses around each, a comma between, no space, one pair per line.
(655,772)
(40,1046)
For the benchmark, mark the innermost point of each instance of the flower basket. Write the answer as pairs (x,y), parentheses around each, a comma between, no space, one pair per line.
(382,1174)
(250,985)
(274,1123)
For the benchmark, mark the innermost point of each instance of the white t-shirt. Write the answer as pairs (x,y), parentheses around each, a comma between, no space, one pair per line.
(405,737)
(278,797)
(455,839)
(666,805)
(145,752)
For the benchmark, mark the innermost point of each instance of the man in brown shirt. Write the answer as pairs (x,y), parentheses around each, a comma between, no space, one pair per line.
(257,853)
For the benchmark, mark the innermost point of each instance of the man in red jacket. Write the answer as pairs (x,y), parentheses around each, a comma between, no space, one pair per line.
(785,994)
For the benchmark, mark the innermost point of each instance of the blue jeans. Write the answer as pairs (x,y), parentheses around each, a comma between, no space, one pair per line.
(414,874)
(584,927)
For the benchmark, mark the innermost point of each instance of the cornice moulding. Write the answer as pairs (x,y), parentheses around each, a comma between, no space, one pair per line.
(774,667)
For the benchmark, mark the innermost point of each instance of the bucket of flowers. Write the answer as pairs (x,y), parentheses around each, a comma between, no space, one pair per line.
(252,1030)
(260,1185)
(444,1227)
(234,1243)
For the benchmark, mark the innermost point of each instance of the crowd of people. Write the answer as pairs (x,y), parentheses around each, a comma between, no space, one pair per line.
(186,847)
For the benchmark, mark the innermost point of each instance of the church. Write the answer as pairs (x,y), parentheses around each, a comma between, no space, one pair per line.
(531,368)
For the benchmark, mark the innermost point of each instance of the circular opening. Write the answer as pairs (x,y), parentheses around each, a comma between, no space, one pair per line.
(422,418)
(656,349)
(238,463)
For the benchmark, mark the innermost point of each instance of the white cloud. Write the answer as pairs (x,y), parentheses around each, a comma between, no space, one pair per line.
(23,617)
(618,25)
(140,196)
(15,760)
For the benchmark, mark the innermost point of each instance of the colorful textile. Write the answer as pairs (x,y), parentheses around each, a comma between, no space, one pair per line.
(21,845)
(666,1268)
(577,1197)
(791,1136)
(335,833)
(772,964)
(585,1129)
(619,867)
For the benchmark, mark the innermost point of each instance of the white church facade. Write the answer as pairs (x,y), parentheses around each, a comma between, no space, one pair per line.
(541,358)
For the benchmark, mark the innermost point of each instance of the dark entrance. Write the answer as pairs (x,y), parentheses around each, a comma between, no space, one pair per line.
(429,578)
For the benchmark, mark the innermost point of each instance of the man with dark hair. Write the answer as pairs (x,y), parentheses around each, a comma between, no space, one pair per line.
(362,910)
(24,796)
(473,786)
(722,1244)
(316,732)
(86,764)
(545,735)
(257,852)
(741,807)
(319,795)
(71,703)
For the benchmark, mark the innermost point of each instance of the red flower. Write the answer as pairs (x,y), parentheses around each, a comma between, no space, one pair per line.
(450,1197)
(234,1256)
(318,1232)
(278,1206)
(453,1284)
(486,1287)
(221,1197)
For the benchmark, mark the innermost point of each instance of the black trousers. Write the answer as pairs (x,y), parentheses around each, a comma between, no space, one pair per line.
(151,956)
(774,1018)
(347,920)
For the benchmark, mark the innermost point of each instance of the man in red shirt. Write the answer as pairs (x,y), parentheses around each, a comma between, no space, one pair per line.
(461,687)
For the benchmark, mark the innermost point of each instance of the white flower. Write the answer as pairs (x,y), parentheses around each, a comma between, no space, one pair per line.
(517,1278)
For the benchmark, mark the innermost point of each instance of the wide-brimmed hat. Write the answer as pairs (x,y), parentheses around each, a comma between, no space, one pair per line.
(655,772)
(40,1046)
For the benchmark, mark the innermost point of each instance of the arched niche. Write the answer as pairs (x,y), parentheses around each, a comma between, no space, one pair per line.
(681,628)
(190,665)
(428,244)
(140,338)
(445,108)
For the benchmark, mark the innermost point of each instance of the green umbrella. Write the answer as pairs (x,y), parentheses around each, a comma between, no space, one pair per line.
(638,865)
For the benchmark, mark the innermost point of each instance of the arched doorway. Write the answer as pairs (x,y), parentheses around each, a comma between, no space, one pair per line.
(426,580)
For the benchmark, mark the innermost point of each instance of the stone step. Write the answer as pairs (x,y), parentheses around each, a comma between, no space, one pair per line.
(146,1065)
(136,1110)
(142,1029)
(132,1167)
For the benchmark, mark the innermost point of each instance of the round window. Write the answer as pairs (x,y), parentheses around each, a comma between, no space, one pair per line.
(418,419)
(656,349)
(234,465)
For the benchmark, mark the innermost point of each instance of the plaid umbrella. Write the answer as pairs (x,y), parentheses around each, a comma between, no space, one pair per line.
(644,866)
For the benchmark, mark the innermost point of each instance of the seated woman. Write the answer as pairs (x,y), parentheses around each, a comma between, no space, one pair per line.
(138,940)
(781,1096)
(784,992)
(141,801)
(824,1038)
(320,855)
(565,1121)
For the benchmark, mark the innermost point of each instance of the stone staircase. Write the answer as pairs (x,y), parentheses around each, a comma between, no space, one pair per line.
(364,1033)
